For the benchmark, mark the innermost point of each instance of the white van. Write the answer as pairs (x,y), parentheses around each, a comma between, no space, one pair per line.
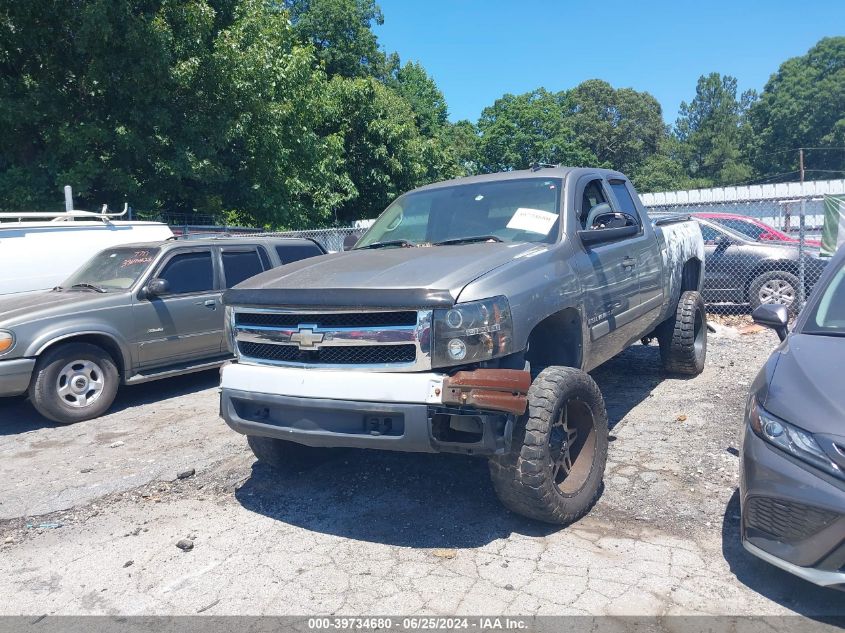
(40,250)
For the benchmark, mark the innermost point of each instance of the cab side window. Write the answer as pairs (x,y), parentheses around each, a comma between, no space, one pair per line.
(623,197)
(592,197)
(189,272)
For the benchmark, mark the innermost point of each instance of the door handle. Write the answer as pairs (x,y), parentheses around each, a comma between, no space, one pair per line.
(210,303)
(628,262)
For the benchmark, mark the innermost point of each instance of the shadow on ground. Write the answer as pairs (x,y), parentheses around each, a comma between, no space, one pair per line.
(17,415)
(423,500)
(774,583)
(404,499)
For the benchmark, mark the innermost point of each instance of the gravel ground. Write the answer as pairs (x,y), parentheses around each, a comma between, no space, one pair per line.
(91,515)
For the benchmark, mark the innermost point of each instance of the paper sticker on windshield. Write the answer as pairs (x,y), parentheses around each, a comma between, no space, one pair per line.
(532,220)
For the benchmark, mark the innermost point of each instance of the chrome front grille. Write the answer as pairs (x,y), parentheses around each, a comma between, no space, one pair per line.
(397,340)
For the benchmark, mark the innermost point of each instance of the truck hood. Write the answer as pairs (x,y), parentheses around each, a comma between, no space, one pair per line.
(400,277)
(27,307)
(806,388)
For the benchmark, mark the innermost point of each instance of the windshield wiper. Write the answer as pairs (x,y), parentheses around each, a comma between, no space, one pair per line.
(467,240)
(402,243)
(89,287)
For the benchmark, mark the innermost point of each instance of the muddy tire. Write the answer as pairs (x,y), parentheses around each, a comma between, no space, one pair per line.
(286,456)
(775,286)
(74,382)
(554,470)
(683,337)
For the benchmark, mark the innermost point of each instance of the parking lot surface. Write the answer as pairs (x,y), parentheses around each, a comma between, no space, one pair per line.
(91,514)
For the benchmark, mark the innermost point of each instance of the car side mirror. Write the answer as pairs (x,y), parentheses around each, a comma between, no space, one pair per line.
(722,242)
(772,315)
(603,236)
(157,287)
(350,241)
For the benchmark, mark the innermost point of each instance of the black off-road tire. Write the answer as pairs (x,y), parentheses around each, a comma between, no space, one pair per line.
(780,284)
(287,456)
(683,337)
(87,362)
(528,479)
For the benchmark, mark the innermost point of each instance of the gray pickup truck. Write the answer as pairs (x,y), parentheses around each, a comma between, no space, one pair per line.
(466,320)
(130,314)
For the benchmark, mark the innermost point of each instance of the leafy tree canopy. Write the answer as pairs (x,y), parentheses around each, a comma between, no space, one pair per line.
(803,105)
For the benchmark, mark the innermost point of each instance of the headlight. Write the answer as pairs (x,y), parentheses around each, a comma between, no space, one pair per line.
(472,332)
(789,438)
(229,329)
(7,341)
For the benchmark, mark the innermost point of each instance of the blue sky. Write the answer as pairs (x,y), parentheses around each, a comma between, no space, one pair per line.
(477,50)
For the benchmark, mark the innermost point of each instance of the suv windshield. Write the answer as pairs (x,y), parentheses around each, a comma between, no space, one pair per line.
(828,314)
(113,269)
(519,210)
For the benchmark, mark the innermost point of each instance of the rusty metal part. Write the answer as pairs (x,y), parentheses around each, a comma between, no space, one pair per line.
(492,389)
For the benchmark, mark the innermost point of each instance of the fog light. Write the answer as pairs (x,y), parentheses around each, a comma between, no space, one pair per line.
(457,349)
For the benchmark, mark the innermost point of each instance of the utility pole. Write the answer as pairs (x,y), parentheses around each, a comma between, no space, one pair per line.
(801,231)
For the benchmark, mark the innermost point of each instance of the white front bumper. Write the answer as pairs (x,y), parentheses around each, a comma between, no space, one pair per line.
(356,386)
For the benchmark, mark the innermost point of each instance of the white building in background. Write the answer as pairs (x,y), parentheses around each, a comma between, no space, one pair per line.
(776,204)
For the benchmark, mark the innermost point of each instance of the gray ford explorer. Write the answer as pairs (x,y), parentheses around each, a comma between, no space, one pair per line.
(130,314)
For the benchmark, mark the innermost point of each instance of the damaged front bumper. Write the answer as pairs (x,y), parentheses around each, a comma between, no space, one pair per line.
(470,412)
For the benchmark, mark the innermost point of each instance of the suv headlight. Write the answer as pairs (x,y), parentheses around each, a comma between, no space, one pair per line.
(790,438)
(7,341)
(229,329)
(472,332)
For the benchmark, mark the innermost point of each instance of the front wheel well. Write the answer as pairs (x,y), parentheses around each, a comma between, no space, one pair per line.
(102,341)
(557,340)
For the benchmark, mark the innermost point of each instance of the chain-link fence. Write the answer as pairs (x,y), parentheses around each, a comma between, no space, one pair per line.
(757,251)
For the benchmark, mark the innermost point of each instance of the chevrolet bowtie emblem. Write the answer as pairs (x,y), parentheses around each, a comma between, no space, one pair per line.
(306,338)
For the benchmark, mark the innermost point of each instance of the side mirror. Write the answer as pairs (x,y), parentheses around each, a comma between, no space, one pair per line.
(603,236)
(772,315)
(157,287)
(350,241)
(722,242)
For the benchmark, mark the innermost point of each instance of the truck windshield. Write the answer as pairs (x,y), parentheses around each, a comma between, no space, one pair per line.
(518,210)
(112,269)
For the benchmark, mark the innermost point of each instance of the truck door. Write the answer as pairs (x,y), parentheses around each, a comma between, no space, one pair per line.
(644,248)
(607,272)
(186,323)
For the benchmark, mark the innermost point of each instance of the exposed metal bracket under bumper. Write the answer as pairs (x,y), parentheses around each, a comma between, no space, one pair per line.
(489,389)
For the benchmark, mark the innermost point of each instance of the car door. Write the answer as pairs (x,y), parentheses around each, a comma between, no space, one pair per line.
(608,274)
(186,323)
(649,261)
(726,263)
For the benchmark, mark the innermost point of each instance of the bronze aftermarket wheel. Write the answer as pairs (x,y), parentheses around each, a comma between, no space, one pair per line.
(554,470)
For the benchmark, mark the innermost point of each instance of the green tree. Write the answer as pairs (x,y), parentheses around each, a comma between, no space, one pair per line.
(803,105)
(180,106)
(714,133)
(518,130)
(414,85)
(341,32)
(384,153)
(622,128)
(462,139)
